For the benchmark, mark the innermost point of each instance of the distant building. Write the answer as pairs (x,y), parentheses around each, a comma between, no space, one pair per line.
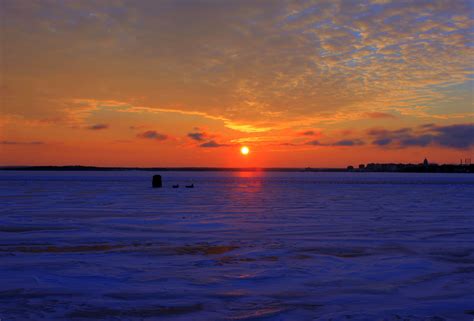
(423,167)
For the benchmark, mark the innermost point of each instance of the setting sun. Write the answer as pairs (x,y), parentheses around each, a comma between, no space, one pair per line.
(244,150)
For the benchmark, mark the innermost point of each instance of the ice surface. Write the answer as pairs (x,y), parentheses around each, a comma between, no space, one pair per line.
(239,246)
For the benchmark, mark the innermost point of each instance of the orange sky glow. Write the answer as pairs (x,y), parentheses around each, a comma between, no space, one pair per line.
(188,83)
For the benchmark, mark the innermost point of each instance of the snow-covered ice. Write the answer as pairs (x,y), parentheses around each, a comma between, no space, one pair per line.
(239,246)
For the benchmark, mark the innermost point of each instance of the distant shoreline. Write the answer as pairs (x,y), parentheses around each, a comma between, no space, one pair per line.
(370,168)
(169,169)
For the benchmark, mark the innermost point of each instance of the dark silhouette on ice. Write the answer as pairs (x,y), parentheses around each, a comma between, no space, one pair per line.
(157,181)
(190,186)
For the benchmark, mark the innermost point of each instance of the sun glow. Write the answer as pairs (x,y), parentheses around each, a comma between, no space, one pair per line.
(244,150)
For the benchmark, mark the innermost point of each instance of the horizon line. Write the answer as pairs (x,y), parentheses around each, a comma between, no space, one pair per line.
(166,168)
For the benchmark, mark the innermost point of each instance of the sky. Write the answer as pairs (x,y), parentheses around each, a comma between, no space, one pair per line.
(187,83)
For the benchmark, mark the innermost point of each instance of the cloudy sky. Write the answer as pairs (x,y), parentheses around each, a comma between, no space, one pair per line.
(186,83)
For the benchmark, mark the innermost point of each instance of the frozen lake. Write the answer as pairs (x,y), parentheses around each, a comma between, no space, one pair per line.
(239,246)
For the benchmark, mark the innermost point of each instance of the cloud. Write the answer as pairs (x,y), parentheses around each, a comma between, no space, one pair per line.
(253,65)
(136,127)
(151,134)
(422,141)
(98,127)
(315,143)
(379,115)
(458,136)
(455,136)
(348,142)
(9,142)
(343,142)
(309,133)
(382,141)
(260,139)
(212,144)
(197,136)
